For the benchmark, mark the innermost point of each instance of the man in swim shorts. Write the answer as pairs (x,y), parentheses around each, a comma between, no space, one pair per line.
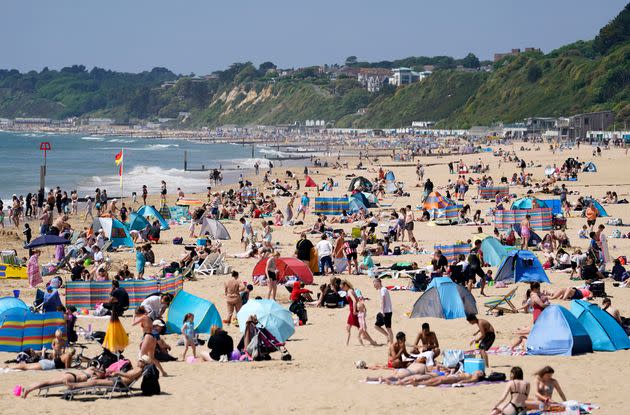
(485,338)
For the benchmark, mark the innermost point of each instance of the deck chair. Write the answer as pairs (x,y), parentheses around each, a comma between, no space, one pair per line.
(211,264)
(105,391)
(187,272)
(503,303)
(106,246)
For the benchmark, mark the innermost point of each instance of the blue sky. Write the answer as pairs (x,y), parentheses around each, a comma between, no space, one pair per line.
(201,36)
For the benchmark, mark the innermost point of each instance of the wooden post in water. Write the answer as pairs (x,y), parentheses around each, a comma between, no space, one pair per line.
(185,160)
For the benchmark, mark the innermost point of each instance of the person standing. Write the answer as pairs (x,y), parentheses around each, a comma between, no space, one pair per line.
(324,252)
(486,336)
(304,202)
(384,318)
(145,193)
(591,215)
(271,272)
(303,249)
(525,231)
(34,275)
(233,289)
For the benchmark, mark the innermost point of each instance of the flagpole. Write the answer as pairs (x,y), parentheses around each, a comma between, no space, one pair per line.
(122,168)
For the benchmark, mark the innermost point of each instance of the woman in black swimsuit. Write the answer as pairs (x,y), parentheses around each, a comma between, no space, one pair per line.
(518,391)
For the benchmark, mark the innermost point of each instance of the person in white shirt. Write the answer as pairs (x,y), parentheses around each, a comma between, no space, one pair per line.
(324,253)
(384,318)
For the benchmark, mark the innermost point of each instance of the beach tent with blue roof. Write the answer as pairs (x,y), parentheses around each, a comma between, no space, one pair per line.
(558,332)
(137,222)
(151,212)
(361,197)
(526,203)
(605,332)
(521,266)
(589,167)
(389,176)
(206,313)
(444,299)
(355,205)
(493,251)
(114,230)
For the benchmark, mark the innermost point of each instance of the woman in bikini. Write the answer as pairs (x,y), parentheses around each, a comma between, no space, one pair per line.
(525,232)
(149,340)
(517,390)
(125,377)
(545,385)
(63,379)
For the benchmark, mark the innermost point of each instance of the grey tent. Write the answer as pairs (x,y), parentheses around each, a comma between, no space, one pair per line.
(360,182)
(214,229)
(444,299)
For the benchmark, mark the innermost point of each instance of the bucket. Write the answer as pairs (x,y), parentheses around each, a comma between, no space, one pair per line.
(16,293)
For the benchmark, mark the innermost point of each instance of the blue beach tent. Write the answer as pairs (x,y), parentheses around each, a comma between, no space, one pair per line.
(361,198)
(152,212)
(521,266)
(493,251)
(389,176)
(206,314)
(558,332)
(137,222)
(526,203)
(354,205)
(590,167)
(114,230)
(605,332)
(444,299)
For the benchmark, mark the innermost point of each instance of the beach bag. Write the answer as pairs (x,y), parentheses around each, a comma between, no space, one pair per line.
(150,381)
(496,377)
(452,357)
(122,365)
(178,240)
(397,251)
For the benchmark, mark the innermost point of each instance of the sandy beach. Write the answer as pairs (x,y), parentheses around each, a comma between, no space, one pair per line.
(322,377)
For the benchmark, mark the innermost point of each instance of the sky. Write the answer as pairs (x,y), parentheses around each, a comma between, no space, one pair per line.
(196,36)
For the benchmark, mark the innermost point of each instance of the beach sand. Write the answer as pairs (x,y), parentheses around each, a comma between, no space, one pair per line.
(322,378)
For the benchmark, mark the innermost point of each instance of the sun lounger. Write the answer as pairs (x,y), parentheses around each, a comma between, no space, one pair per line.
(503,303)
(106,391)
(211,264)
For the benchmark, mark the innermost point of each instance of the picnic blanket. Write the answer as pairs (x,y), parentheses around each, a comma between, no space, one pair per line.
(540,219)
(501,351)
(490,192)
(88,294)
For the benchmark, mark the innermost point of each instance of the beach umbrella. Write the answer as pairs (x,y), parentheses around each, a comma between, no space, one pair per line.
(271,315)
(47,240)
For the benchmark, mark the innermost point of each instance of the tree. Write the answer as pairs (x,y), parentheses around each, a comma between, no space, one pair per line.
(470,61)
(351,60)
(534,73)
(615,32)
(265,66)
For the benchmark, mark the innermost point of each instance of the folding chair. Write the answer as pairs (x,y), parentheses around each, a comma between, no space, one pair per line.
(109,391)
(503,303)
(210,265)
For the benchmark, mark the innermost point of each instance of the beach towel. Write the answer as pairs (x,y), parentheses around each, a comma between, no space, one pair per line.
(34,275)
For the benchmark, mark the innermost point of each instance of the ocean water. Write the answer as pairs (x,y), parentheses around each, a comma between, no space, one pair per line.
(85,162)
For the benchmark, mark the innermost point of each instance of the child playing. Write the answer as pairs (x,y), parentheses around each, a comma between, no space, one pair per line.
(361,314)
(188,331)
(583,233)
(486,336)
(27,233)
(58,344)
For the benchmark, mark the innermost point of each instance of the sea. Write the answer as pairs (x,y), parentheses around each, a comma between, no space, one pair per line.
(83,163)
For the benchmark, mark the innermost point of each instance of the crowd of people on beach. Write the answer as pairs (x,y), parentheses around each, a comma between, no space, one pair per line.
(327,251)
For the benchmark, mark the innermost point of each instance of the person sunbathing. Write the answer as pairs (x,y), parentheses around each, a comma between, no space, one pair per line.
(417,367)
(62,362)
(62,379)
(457,378)
(126,378)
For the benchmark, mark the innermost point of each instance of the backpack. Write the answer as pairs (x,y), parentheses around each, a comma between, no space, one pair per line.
(150,381)
(178,240)
(496,377)
(397,251)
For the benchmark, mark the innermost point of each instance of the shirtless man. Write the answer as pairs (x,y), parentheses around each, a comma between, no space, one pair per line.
(486,336)
(397,350)
(426,341)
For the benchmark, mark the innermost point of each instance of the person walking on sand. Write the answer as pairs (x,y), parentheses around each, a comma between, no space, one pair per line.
(353,318)
(233,289)
(271,271)
(384,317)
(486,336)
(89,205)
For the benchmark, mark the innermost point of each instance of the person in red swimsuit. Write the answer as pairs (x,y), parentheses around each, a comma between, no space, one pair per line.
(351,298)
(538,301)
